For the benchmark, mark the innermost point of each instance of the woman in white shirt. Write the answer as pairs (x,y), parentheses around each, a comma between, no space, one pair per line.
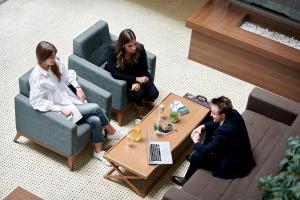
(49,91)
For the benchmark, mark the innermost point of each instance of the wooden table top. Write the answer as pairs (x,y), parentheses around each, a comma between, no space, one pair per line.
(21,194)
(134,157)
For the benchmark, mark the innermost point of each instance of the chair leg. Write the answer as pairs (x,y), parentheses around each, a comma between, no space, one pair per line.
(17,136)
(71,162)
(120,117)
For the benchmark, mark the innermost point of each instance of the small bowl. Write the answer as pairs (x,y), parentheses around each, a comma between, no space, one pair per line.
(169,129)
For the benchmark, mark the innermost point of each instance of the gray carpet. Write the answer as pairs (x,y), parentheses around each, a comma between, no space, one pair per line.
(159,24)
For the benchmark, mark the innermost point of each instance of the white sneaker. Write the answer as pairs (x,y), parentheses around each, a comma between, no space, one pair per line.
(100,156)
(117,136)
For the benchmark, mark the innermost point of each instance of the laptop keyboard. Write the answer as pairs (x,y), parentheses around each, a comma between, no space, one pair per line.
(155,152)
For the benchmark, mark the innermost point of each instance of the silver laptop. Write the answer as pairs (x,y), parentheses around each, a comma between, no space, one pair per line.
(158,152)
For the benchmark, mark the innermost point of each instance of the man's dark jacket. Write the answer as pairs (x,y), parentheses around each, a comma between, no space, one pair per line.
(229,142)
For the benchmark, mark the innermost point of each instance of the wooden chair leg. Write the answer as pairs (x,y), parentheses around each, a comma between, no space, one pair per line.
(71,162)
(17,136)
(120,117)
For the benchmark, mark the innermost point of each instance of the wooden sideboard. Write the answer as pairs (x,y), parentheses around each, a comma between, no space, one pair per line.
(218,42)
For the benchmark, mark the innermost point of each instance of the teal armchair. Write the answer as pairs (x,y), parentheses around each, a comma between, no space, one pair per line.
(53,130)
(89,59)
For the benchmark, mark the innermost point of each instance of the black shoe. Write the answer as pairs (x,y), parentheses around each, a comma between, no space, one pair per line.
(179,180)
(188,158)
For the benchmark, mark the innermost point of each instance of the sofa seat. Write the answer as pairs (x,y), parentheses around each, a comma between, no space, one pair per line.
(203,189)
(261,128)
(268,153)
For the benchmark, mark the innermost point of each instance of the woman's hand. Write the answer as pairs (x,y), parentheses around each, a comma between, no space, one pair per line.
(135,87)
(65,111)
(80,94)
(142,79)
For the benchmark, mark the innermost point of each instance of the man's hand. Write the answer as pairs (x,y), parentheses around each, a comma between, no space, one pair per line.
(135,87)
(197,131)
(142,79)
(80,94)
(200,128)
(196,137)
(65,111)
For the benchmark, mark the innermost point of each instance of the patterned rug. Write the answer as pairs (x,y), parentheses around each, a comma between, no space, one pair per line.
(158,24)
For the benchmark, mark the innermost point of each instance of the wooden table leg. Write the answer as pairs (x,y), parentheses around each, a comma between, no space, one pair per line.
(121,176)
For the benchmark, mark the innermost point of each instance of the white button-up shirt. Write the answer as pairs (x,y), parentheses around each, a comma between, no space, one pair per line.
(47,93)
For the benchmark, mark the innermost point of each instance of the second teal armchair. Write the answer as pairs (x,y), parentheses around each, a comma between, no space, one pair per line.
(89,59)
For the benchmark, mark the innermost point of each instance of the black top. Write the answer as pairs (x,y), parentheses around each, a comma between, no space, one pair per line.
(229,142)
(130,72)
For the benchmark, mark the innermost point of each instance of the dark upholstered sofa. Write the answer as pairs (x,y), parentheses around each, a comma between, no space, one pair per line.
(270,120)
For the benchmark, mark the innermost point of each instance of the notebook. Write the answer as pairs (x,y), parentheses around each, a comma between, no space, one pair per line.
(158,152)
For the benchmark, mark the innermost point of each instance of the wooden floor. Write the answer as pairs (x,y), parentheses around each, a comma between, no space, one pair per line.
(218,42)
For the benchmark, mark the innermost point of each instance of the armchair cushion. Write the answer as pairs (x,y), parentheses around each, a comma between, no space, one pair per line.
(90,46)
(97,95)
(24,84)
(151,61)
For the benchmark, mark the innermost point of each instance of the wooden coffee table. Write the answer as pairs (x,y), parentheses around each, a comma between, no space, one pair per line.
(130,162)
(21,194)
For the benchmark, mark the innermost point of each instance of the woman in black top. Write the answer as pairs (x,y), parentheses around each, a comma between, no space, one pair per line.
(127,60)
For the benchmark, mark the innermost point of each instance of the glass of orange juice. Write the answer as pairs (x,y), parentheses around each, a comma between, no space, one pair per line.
(136,131)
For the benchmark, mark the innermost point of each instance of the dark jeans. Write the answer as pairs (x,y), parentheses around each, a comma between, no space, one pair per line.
(147,92)
(94,116)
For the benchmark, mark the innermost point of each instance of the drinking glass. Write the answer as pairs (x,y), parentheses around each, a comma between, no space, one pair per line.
(161,108)
(136,131)
(156,124)
(128,140)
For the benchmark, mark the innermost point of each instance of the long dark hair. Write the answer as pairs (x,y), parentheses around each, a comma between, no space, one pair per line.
(125,37)
(45,50)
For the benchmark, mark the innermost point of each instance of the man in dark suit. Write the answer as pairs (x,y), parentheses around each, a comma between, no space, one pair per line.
(226,149)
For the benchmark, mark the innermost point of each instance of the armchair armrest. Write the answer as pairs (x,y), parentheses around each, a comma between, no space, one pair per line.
(273,106)
(97,95)
(151,61)
(113,37)
(57,132)
(24,83)
(101,78)
(174,193)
